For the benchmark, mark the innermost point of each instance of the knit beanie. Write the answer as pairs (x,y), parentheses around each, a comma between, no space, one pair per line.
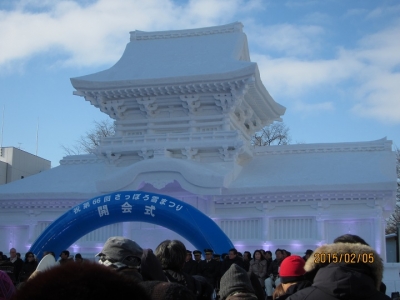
(235,280)
(7,288)
(292,269)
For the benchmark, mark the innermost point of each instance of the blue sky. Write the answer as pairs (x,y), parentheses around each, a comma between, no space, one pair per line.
(334,64)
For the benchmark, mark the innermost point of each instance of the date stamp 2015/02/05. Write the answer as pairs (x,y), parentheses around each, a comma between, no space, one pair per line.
(348,258)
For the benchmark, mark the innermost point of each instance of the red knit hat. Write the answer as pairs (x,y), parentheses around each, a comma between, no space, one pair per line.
(292,269)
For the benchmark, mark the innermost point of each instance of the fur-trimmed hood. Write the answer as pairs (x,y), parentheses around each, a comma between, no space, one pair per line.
(361,252)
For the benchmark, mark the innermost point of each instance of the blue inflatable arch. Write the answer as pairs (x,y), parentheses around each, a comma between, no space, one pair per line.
(127,206)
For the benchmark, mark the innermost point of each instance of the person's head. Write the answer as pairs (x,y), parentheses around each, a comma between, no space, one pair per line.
(88,281)
(18,255)
(284,253)
(292,269)
(258,255)
(208,253)
(232,253)
(279,254)
(308,253)
(78,258)
(217,257)
(13,253)
(268,254)
(188,255)
(64,254)
(29,256)
(350,238)
(247,255)
(121,252)
(197,255)
(171,254)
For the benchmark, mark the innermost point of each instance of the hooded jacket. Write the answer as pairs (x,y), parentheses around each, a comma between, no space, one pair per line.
(355,272)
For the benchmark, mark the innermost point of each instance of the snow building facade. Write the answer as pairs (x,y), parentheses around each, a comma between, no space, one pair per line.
(185,104)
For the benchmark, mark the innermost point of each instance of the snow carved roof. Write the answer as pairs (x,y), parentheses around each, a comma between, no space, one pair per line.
(184,56)
(311,168)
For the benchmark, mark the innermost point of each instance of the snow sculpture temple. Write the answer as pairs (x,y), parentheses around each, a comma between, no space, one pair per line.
(185,105)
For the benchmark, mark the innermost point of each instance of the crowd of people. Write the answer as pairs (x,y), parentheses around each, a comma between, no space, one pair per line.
(346,269)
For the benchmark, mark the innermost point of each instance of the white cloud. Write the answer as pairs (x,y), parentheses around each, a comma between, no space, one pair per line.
(378,93)
(288,39)
(355,12)
(317,17)
(293,77)
(381,49)
(383,11)
(313,107)
(296,4)
(96,33)
(379,98)
(368,72)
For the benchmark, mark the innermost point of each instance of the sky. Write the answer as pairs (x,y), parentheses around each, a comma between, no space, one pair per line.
(334,64)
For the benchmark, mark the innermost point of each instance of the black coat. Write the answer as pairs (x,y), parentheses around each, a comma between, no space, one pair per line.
(209,270)
(16,268)
(226,264)
(27,269)
(274,267)
(190,267)
(197,284)
(337,281)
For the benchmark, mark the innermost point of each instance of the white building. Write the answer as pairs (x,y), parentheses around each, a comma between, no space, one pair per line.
(17,164)
(185,104)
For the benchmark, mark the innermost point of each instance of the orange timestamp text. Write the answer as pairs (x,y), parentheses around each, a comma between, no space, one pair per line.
(348,258)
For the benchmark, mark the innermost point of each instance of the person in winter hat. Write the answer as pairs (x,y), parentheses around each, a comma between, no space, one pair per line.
(340,276)
(292,278)
(355,239)
(122,255)
(235,284)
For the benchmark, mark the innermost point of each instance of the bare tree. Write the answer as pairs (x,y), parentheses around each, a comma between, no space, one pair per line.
(276,133)
(391,226)
(92,138)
